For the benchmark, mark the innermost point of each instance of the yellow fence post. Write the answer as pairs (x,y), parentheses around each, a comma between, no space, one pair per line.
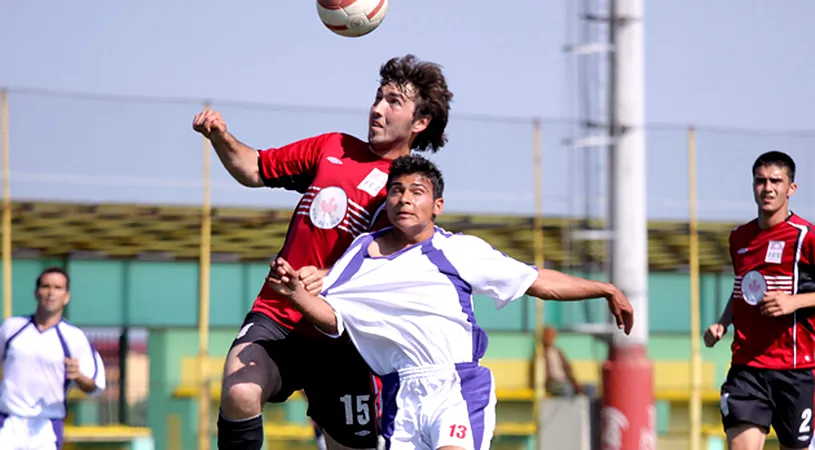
(695,409)
(6,245)
(537,221)
(204,395)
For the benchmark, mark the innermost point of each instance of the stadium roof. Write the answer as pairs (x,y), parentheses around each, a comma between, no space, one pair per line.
(173,232)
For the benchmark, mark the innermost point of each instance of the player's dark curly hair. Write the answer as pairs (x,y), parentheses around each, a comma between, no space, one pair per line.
(432,97)
(776,158)
(417,165)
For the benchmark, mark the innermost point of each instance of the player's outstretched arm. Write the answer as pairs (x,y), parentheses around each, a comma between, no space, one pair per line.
(554,285)
(240,160)
(315,309)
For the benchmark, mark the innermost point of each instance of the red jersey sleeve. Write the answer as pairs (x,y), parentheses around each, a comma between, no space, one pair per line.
(292,166)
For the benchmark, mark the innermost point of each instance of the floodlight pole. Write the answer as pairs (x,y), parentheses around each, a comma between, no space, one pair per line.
(628,400)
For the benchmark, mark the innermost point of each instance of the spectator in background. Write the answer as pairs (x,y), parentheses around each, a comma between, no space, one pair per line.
(43,357)
(560,380)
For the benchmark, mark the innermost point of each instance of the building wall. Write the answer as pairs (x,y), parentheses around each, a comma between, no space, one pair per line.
(165,294)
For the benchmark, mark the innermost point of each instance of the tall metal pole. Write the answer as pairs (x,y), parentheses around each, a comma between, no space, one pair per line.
(537,224)
(204,395)
(695,412)
(6,211)
(628,405)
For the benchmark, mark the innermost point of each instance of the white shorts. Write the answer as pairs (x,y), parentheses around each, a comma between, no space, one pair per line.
(30,433)
(428,408)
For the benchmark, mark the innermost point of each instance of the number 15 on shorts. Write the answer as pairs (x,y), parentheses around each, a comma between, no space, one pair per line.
(362,415)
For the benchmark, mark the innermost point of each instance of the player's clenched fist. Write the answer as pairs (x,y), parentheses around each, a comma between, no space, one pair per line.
(714,333)
(71,368)
(283,278)
(209,123)
(312,278)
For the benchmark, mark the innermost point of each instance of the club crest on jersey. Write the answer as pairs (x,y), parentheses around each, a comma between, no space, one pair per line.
(328,208)
(753,287)
(775,251)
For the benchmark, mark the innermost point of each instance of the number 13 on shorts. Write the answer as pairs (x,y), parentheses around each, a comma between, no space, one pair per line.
(455,431)
(458,431)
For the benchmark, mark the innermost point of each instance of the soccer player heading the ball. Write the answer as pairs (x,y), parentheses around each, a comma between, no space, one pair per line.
(770,381)
(404,294)
(342,180)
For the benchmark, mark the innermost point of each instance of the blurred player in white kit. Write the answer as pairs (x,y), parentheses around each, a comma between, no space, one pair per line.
(405,296)
(43,358)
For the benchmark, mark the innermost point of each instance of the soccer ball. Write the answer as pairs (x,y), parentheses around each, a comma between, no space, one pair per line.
(352,18)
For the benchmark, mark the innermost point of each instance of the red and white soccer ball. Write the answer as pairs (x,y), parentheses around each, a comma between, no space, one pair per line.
(352,18)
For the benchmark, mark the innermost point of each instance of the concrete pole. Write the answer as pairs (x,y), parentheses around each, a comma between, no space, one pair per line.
(628,411)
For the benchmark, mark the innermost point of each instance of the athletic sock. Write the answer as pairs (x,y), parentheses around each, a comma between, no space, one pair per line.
(245,434)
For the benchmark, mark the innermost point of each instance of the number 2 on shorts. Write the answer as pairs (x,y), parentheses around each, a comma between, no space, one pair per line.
(458,431)
(363,414)
(806,419)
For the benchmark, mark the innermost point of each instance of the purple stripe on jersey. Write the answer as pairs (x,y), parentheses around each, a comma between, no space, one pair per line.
(353,266)
(59,431)
(16,333)
(476,389)
(63,342)
(2,419)
(90,344)
(390,389)
(67,384)
(465,297)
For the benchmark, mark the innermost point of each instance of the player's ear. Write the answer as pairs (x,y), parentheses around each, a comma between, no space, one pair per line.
(420,124)
(793,187)
(438,206)
(67,299)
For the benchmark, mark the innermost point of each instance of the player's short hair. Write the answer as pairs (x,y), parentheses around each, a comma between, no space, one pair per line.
(432,97)
(54,269)
(776,158)
(417,165)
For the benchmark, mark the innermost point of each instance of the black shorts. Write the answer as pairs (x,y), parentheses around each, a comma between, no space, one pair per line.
(338,384)
(782,399)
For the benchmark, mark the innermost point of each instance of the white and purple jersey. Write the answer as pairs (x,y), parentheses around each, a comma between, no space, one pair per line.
(34,389)
(410,314)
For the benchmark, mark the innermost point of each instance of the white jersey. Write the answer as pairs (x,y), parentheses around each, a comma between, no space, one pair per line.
(414,308)
(34,383)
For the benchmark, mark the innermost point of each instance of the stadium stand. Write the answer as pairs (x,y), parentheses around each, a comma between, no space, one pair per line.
(122,231)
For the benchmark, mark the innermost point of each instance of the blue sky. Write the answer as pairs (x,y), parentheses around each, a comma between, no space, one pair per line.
(743,64)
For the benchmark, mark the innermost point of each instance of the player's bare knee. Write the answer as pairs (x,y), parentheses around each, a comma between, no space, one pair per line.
(241,401)
(246,381)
